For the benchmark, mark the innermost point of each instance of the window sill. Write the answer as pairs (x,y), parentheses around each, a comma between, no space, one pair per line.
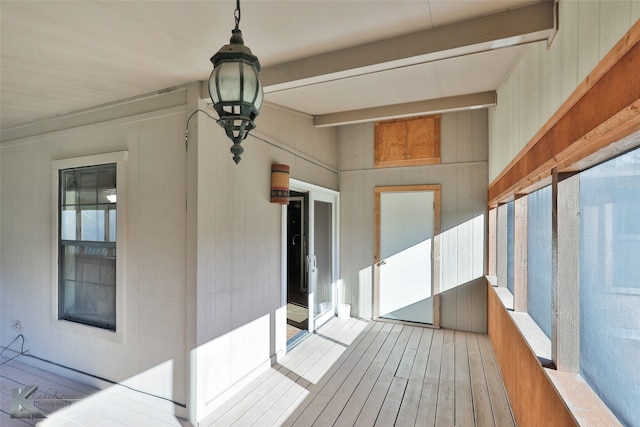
(538,341)
(89,331)
(583,403)
(503,293)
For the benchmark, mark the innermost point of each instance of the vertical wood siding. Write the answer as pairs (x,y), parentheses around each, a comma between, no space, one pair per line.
(545,76)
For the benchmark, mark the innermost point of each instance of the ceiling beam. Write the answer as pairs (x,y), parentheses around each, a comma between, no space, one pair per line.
(524,25)
(431,106)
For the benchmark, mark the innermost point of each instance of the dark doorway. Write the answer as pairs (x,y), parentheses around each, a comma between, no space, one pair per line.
(297,252)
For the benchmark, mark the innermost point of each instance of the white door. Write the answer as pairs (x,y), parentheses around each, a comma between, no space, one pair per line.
(407,226)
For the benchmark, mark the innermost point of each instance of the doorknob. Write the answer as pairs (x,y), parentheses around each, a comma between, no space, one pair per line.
(383,262)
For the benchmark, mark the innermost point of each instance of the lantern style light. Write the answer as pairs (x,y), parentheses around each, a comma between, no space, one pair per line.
(235,89)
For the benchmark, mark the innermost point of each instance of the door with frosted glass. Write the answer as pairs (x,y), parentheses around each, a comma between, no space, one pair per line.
(407,221)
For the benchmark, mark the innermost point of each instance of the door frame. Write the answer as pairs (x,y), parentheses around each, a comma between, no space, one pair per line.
(316,193)
(435,249)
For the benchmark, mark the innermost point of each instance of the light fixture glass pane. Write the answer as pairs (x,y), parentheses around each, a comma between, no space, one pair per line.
(250,83)
(213,91)
(228,81)
(260,97)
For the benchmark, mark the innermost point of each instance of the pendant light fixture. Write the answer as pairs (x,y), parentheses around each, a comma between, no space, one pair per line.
(235,89)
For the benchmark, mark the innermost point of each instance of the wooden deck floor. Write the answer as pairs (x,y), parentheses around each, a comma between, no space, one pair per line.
(351,373)
(65,402)
(357,373)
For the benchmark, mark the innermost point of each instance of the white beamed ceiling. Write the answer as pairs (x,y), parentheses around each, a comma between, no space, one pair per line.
(57,57)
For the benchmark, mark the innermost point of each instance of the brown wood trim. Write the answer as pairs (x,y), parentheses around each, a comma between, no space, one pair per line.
(400,163)
(603,109)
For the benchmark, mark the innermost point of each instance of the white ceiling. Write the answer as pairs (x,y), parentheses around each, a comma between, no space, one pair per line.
(318,57)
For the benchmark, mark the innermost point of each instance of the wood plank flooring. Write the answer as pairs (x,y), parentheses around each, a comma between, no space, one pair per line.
(358,373)
(66,402)
(350,373)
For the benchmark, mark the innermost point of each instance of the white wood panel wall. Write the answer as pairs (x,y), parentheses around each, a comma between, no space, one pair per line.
(239,246)
(545,76)
(151,357)
(204,288)
(463,177)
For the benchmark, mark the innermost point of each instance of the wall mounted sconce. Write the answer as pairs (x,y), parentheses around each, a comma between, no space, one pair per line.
(280,184)
(235,88)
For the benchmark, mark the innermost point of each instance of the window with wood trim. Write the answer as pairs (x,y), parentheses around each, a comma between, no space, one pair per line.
(407,142)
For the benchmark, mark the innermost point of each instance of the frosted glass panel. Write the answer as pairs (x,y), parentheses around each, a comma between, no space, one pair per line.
(510,244)
(323,248)
(539,254)
(610,283)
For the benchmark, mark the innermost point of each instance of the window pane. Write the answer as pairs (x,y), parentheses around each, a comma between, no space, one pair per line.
(539,206)
(69,188)
(510,244)
(68,224)
(92,225)
(86,183)
(107,186)
(609,283)
(112,225)
(88,291)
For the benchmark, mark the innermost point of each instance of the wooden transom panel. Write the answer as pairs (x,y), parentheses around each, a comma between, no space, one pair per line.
(407,142)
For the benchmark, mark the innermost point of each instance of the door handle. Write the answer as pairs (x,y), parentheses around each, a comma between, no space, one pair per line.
(383,262)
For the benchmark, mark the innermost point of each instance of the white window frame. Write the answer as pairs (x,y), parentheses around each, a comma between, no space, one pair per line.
(120,159)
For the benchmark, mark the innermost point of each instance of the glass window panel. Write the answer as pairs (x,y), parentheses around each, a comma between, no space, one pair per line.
(89,285)
(112,225)
(69,185)
(87,182)
(539,257)
(68,224)
(510,244)
(107,186)
(323,245)
(609,277)
(92,225)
